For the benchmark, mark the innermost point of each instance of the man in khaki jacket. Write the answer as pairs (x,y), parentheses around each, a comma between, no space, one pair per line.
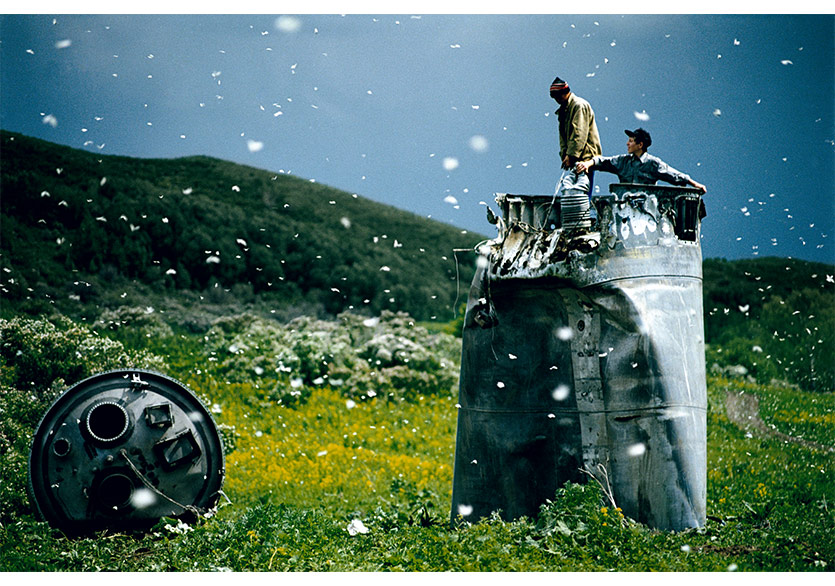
(579,141)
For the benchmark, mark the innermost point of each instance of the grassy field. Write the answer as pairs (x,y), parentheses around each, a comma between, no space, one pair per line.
(350,480)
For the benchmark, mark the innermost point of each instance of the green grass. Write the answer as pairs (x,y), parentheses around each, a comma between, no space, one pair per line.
(298,477)
(301,471)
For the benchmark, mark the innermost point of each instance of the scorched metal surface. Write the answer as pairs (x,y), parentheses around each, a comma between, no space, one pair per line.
(585,350)
(122,449)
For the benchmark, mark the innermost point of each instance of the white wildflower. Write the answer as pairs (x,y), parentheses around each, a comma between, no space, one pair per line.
(356,527)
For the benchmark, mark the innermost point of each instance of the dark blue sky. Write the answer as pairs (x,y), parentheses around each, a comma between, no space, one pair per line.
(436,113)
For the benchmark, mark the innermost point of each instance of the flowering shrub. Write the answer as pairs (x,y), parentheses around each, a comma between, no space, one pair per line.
(38,360)
(39,354)
(388,356)
(144,321)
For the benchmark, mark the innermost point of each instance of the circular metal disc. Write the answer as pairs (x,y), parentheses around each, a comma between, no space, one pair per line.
(121,450)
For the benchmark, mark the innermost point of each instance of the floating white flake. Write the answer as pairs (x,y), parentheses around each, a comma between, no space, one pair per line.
(636,450)
(288,24)
(642,116)
(565,333)
(786,62)
(63,44)
(465,510)
(450,163)
(561,393)
(142,498)
(451,200)
(51,120)
(254,145)
(479,143)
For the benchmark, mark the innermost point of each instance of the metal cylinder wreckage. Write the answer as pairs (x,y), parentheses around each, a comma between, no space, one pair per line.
(121,450)
(583,353)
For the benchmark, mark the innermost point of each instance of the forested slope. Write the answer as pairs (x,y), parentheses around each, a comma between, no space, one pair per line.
(75,222)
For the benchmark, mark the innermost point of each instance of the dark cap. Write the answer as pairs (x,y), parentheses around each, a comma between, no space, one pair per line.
(640,135)
(558,86)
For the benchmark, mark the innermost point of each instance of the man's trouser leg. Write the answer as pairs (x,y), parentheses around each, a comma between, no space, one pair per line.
(573,191)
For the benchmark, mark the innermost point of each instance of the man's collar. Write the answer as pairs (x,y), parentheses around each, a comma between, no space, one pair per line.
(642,158)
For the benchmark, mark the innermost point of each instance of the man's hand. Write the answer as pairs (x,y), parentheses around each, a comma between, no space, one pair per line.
(699,186)
(583,166)
(567,162)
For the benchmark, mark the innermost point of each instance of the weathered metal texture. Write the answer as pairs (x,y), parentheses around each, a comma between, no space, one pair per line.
(121,450)
(586,349)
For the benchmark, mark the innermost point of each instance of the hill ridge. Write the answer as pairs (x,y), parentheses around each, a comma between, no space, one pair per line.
(195,222)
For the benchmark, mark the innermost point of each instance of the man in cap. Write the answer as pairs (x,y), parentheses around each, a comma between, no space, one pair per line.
(638,166)
(579,141)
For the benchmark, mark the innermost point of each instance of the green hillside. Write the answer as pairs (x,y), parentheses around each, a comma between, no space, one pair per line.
(78,225)
(198,239)
(774,317)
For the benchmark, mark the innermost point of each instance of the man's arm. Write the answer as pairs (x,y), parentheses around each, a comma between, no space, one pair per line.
(608,164)
(584,166)
(666,173)
(698,186)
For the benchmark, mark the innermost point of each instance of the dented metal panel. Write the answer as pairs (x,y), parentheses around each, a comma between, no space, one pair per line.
(583,349)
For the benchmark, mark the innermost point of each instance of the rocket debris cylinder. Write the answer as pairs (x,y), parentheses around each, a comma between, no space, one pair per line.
(583,352)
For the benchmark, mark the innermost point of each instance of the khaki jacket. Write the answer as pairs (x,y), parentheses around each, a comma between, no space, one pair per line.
(579,138)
